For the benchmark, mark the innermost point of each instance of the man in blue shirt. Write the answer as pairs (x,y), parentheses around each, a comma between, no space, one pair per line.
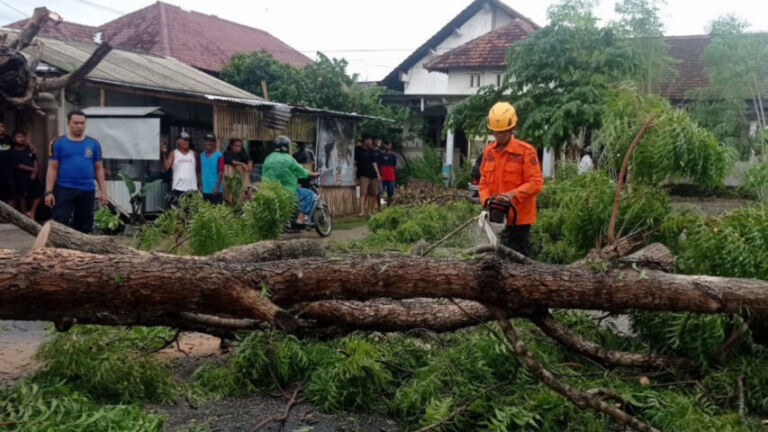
(74,160)
(212,171)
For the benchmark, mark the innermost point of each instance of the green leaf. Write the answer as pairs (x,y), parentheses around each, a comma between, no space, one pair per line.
(128,183)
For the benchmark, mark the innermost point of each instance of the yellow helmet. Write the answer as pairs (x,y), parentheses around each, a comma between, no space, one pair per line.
(502,117)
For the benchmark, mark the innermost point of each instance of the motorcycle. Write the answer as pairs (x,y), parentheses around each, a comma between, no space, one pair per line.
(319,218)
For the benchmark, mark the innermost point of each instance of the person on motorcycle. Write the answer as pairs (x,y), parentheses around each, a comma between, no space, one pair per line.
(510,168)
(280,166)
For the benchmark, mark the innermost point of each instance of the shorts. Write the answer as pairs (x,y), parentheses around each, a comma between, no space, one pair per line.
(214,199)
(369,186)
(388,186)
(26,188)
(7,191)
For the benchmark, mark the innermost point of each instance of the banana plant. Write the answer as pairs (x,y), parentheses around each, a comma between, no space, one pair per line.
(138,196)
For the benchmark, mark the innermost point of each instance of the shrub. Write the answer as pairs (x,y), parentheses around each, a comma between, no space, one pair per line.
(211,228)
(401,226)
(428,167)
(109,363)
(574,214)
(56,407)
(755,183)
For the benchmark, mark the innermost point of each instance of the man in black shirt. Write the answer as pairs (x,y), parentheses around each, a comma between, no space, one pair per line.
(6,166)
(367,175)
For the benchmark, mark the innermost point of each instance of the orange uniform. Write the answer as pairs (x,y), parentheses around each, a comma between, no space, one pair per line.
(512,168)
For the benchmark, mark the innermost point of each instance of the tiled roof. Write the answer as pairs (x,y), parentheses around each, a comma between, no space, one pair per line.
(392,81)
(486,51)
(62,30)
(687,67)
(139,70)
(204,41)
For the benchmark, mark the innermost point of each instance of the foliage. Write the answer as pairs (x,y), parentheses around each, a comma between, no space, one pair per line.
(265,215)
(640,23)
(428,167)
(323,84)
(138,195)
(737,62)
(725,118)
(673,148)
(697,336)
(736,65)
(732,244)
(399,226)
(557,78)
(109,364)
(574,214)
(755,183)
(107,221)
(56,407)
(211,228)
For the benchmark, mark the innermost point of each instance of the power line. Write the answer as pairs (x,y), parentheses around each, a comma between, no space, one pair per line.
(100,6)
(14,9)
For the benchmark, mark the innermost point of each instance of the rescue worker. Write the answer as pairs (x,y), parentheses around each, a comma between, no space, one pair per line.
(511,168)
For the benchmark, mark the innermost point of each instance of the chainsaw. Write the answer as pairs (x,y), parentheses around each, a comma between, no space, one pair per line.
(494,217)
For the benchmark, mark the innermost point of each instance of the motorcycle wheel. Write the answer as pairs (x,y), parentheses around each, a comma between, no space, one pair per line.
(322,221)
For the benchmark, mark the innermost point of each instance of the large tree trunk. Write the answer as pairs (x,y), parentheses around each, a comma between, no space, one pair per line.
(66,285)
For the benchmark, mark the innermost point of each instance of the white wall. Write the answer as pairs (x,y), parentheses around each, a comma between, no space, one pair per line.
(422,81)
(459,81)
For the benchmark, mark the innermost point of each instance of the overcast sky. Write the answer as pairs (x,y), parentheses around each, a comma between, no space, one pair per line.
(373,35)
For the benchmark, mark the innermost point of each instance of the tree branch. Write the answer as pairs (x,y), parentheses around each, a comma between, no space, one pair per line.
(574,341)
(579,398)
(620,182)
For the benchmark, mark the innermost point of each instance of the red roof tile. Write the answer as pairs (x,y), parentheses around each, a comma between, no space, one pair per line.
(204,41)
(486,51)
(62,30)
(688,68)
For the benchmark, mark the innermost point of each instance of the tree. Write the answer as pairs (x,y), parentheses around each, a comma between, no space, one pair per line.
(323,84)
(557,78)
(674,147)
(737,64)
(641,25)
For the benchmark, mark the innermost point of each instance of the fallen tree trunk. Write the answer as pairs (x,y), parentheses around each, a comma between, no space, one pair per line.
(54,284)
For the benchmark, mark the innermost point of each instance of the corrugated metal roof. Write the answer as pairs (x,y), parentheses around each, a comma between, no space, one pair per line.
(139,70)
(122,111)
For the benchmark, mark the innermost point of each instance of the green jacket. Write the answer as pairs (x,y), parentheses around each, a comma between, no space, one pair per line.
(283,168)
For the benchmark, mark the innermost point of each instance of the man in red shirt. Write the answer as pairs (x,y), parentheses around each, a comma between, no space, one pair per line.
(387,166)
(511,168)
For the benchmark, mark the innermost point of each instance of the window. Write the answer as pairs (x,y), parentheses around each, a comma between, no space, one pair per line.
(474,80)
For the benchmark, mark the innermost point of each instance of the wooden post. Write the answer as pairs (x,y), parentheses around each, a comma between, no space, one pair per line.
(102,97)
(264,89)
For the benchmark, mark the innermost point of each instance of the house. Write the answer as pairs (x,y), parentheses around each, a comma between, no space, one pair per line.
(130,85)
(486,55)
(202,41)
(432,88)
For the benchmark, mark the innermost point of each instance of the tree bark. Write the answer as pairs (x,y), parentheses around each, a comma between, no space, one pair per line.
(57,284)
(57,235)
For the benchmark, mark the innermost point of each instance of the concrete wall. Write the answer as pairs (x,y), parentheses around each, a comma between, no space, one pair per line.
(460,81)
(422,81)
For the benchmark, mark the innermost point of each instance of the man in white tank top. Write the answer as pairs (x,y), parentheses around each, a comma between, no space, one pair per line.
(183,162)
